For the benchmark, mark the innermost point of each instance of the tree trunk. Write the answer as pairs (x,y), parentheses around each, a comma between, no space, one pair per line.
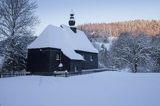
(135,68)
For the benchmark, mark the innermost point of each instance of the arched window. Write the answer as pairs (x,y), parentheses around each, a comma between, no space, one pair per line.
(91,58)
(57,57)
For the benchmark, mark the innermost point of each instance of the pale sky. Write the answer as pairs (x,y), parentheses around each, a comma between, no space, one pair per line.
(56,12)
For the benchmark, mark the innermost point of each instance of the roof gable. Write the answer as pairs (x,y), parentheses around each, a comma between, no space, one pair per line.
(79,40)
(65,39)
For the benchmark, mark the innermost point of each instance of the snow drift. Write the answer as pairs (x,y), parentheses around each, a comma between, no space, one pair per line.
(100,89)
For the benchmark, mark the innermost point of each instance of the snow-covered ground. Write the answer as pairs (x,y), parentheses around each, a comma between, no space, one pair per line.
(99,89)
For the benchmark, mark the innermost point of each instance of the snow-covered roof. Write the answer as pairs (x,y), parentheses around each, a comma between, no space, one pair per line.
(79,40)
(65,39)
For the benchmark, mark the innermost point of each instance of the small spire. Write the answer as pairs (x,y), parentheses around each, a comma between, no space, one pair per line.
(72,22)
(72,12)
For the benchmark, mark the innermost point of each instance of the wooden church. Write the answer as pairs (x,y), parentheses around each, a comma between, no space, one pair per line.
(63,48)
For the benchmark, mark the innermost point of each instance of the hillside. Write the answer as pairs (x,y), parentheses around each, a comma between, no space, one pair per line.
(148,27)
(100,89)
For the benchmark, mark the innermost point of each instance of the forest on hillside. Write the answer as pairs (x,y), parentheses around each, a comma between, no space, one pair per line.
(130,44)
(148,27)
(140,53)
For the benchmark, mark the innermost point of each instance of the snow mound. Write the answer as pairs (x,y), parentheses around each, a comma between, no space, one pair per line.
(100,89)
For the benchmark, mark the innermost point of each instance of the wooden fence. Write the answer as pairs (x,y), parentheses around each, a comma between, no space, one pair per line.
(67,74)
(58,73)
(13,74)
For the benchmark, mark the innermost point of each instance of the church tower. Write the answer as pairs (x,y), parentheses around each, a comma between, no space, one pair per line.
(72,23)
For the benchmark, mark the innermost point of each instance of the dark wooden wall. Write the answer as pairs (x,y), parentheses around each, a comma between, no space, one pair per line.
(55,63)
(76,63)
(87,64)
(38,61)
(43,61)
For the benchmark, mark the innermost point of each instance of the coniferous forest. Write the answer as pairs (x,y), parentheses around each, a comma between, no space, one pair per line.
(148,27)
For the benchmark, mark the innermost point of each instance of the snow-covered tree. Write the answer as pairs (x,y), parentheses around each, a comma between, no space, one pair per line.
(156,51)
(132,51)
(17,20)
(105,58)
(19,52)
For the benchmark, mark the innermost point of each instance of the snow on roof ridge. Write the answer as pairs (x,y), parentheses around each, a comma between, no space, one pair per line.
(80,36)
(63,37)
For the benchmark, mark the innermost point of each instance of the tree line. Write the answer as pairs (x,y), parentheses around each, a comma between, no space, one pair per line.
(139,53)
(136,47)
(148,27)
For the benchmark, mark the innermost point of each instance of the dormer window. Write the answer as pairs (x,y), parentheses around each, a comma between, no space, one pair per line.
(57,57)
(91,58)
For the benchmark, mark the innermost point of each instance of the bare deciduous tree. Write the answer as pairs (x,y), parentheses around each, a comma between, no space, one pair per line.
(133,51)
(17,19)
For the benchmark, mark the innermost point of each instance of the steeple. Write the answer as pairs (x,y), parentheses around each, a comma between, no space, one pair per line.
(72,22)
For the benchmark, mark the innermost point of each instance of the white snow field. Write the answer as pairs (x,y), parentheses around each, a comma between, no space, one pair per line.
(99,89)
